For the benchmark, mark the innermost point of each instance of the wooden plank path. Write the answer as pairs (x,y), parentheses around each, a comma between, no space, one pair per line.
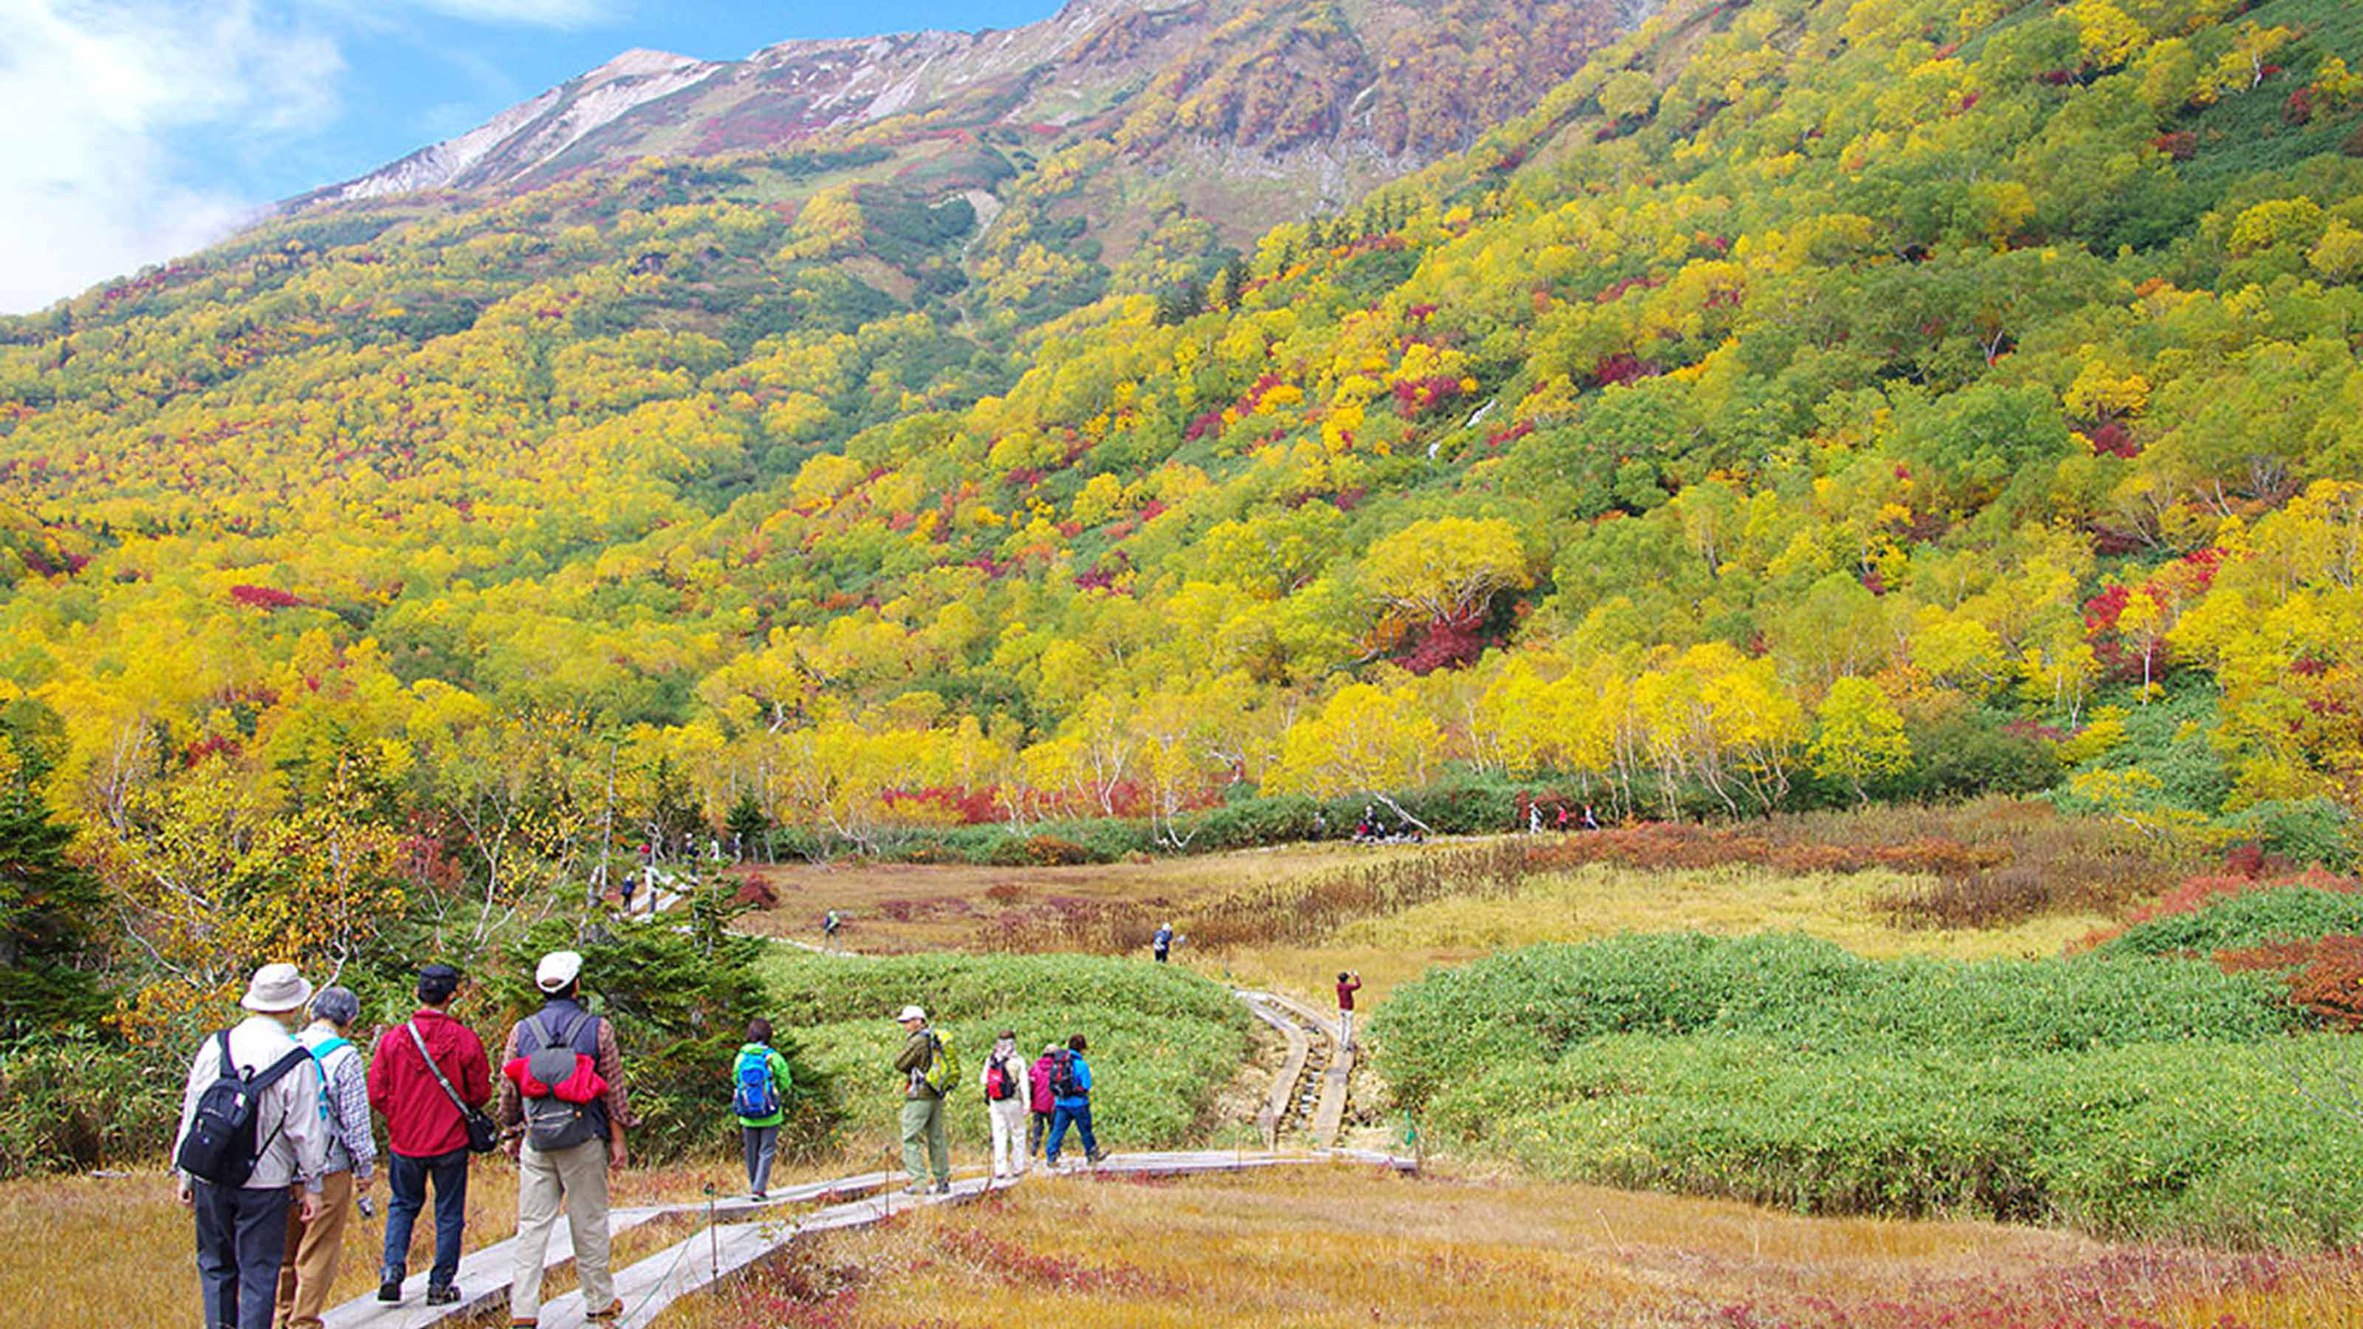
(1282,1097)
(485,1275)
(651,1287)
(1329,1114)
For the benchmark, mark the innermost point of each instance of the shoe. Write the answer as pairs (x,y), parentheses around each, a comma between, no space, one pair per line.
(614,1308)
(943,1188)
(1096,1157)
(515,1323)
(442,1296)
(914,1189)
(757,1196)
(390,1291)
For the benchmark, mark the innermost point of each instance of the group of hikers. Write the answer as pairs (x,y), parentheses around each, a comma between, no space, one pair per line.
(276,1148)
(1035,1101)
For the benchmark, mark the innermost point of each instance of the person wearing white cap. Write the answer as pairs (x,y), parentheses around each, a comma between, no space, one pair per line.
(924,1085)
(253,1095)
(580,1139)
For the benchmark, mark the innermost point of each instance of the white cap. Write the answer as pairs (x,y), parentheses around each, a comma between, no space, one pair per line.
(911,1013)
(557,969)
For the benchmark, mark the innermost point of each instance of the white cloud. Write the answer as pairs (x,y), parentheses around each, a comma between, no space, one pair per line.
(92,95)
(528,13)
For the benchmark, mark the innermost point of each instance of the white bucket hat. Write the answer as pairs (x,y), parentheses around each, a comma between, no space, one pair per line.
(276,989)
(911,1013)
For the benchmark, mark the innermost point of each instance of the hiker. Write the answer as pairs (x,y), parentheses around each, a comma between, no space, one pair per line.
(1534,819)
(828,927)
(1591,823)
(759,1095)
(427,1129)
(631,883)
(1347,985)
(251,1140)
(309,1265)
(1041,1104)
(1161,945)
(563,1109)
(1007,1097)
(928,1073)
(1070,1089)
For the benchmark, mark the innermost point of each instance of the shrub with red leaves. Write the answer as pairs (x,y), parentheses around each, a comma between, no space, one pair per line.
(2325,975)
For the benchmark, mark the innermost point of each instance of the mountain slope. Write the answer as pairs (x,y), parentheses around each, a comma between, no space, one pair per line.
(1806,402)
(1311,102)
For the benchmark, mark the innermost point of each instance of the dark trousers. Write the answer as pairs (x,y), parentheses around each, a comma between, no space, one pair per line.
(406,1186)
(762,1146)
(241,1241)
(1078,1116)
(1037,1127)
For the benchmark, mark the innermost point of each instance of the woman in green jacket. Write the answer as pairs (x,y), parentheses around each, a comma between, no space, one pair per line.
(759,1094)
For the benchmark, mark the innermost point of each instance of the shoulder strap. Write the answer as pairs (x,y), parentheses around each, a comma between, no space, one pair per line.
(229,1067)
(435,1070)
(551,1035)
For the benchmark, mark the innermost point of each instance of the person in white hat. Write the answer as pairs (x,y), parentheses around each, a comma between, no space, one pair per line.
(242,1216)
(927,1143)
(574,1174)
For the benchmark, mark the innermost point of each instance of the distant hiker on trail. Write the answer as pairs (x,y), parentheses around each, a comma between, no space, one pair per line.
(1347,985)
(1007,1095)
(631,883)
(309,1266)
(1070,1088)
(1041,1104)
(1534,819)
(1161,945)
(427,1135)
(562,1080)
(829,925)
(1591,823)
(759,1095)
(251,1141)
(929,1072)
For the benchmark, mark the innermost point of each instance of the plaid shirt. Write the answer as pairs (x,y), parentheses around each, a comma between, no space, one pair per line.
(351,1148)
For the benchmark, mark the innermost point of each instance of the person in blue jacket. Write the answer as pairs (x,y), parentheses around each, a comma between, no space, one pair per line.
(1070,1087)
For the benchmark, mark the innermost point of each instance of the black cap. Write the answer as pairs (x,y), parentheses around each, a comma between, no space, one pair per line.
(436,982)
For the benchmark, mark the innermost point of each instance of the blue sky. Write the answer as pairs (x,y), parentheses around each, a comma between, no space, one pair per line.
(132,131)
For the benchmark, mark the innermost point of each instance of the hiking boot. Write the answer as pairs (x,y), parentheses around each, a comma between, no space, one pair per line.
(614,1309)
(390,1291)
(442,1296)
(1096,1157)
(943,1188)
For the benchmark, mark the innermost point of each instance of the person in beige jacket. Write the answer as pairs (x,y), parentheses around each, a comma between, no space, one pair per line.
(242,1229)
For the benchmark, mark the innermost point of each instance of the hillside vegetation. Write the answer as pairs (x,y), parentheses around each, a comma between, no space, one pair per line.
(1809,402)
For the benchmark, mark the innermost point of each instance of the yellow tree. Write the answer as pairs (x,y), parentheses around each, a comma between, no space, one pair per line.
(1366,741)
(1446,569)
(1861,735)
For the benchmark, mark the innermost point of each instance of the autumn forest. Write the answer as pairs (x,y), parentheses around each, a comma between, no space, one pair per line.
(1807,403)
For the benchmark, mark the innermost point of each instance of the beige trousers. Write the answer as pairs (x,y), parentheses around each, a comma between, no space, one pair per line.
(310,1264)
(575,1179)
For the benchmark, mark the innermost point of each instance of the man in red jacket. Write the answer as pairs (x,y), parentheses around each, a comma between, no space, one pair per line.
(426,1138)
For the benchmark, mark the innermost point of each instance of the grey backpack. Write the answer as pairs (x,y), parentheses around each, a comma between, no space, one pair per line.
(552,1122)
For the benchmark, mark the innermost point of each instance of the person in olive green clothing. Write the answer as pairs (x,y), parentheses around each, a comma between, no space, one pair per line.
(759,1095)
(923,1107)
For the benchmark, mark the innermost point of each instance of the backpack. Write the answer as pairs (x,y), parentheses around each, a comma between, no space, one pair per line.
(1001,1082)
(561,1116)
(754,1093)
(943,1069)
(1063,1083)
(221,1146)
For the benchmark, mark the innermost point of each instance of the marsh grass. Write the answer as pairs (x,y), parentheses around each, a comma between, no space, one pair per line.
(1360,1249)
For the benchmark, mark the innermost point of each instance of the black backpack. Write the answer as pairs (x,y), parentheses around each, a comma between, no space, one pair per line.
(1063,1082)
(220,1146)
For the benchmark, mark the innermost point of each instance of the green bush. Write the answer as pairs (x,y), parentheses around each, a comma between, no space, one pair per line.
(2187,1140)
(2292,913)
(2129,1095)
(67,1105)
(2313,831)
(1163,1041)
(1813,995)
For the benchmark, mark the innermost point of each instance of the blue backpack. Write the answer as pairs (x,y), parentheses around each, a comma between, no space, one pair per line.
(753,1093)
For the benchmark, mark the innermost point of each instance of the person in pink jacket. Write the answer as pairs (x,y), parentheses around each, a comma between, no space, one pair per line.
(1040,1102)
